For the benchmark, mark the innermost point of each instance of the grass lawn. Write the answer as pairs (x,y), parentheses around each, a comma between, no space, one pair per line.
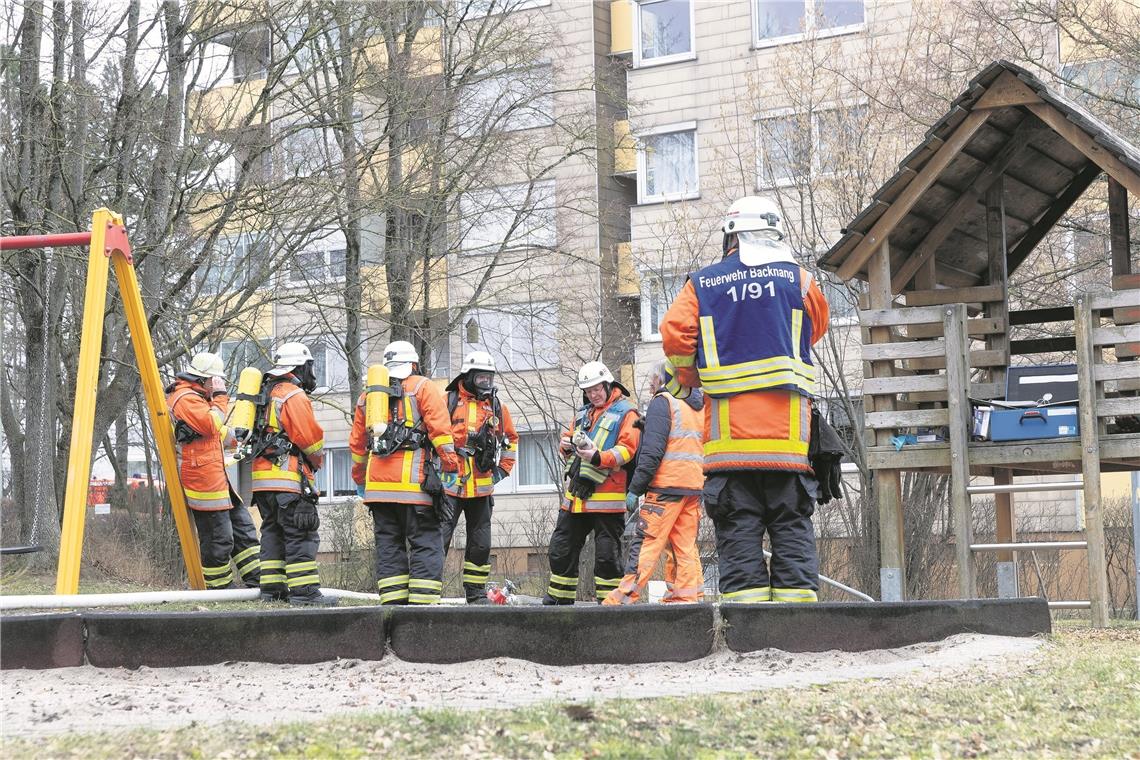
(1081,697)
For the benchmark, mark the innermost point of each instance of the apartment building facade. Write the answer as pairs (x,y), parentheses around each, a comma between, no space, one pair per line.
(688,105)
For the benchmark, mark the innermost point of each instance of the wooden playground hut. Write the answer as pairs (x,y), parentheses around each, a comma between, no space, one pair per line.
(936,246)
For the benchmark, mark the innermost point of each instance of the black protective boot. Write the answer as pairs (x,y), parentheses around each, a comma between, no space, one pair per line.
(317,600)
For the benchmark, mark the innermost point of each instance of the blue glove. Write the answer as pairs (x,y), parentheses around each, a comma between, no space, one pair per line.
(360,490)
(631,500)
(449,479)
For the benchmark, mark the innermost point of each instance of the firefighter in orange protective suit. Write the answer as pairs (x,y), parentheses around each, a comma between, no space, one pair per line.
(401,481)
(669,474)
(198,404)
(290,449)
(743,329)
(486,442)
(600,446)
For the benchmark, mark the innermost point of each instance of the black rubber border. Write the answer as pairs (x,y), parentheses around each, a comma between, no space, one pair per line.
(854,627)
(575,635)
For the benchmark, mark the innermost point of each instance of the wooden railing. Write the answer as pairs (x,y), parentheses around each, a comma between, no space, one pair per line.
(925,367)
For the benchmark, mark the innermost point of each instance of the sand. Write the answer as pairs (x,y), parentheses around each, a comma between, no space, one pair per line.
(88,699)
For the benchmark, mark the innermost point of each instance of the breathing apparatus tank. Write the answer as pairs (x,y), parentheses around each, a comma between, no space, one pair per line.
(376,402)
(243,415)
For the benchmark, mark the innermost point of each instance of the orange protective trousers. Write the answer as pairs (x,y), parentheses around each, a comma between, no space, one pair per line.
(666,523)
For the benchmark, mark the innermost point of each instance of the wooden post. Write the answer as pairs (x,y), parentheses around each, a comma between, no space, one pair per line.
(1005,534)
(1090,461)
(1118,228)
(957,396)
(997,252)
(998,274)
(888,489)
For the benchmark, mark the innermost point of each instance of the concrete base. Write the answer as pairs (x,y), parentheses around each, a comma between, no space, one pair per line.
(856,627)
(36,642)
(170,639)
(574,635)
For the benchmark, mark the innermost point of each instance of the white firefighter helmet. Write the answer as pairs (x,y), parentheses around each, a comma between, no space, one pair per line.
(399,356)
(288,356)
(206,364)
(480,361)
(754,213)
(593,373)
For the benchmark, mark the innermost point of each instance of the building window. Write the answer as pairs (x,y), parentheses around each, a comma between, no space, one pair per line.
(842,302)
(538,465)
(233,262)
(239,354)
(1097,81)
(667,164)
(778,21)
(472,9)
(338,470)
(308,150)
(520,337)
(507,101)
(537,462)
(317,264)
(664,32)
(330,364)
(509,216)
(792,148)
(657,294)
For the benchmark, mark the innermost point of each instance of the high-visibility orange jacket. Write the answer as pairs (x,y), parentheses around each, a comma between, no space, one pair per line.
(671,455)
(609,496)
(201,466)
(290,410)
(764,429)
(399,476)
(468,417)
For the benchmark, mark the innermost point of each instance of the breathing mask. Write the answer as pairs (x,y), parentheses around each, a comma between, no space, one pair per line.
(480,383)
(307,377)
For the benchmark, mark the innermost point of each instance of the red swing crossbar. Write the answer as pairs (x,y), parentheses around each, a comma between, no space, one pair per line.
(23,242)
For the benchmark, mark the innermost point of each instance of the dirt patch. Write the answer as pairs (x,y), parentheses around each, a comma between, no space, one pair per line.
(90,699)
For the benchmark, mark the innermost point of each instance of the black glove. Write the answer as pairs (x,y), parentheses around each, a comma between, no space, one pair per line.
(829,475)
(305,516)
(826,453)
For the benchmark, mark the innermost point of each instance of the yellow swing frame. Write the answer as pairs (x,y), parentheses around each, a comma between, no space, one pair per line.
(108,245)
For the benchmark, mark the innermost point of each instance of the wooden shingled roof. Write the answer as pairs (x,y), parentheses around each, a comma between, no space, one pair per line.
(1008,124)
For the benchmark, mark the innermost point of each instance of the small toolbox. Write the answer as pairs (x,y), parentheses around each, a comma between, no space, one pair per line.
(1034,422)
(1040,402)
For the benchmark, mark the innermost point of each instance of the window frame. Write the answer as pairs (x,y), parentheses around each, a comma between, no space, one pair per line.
(329,240)
(541,102)
(809,31)
(509,244)
(245,242)
(643,198)
(814,169)
(649,330)
(511,485)
(515,312)
(331,345)
(261,343)
(639,62)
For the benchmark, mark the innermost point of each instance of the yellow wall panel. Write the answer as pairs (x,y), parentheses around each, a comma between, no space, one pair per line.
(621,27)
(225,108)
(625,149)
